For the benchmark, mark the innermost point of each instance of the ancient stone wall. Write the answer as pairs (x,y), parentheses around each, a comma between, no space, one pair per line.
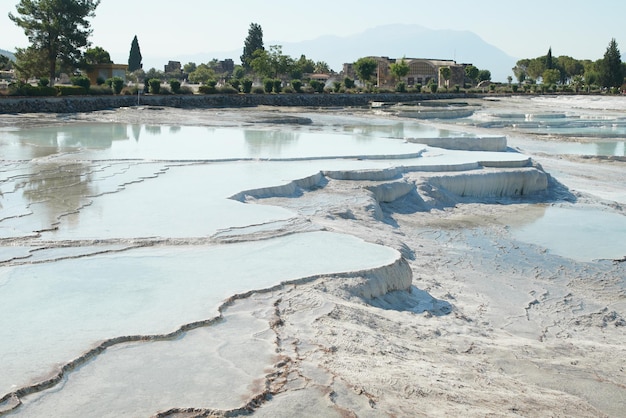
(91,103)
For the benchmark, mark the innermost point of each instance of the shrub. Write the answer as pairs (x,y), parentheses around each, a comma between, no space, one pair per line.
(207,89)
(185,90)
(165,90)
(268,85)
(401,87)
(100,81)
(24,89)
(432,87)
(175,85)
(236,83)
(246,85)
(317,86)
(129,91)
(515,88)
(228,89)
(71,90)
(43,82)
(258,90)
(278,86)
(289,89)
(81,81)
(297,85)
(102,89)
(336,86)
(457,88)
(348,83)
(154,85)
(116,84)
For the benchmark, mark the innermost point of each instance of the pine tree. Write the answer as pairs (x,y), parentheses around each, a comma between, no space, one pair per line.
(56,29)
(611,70)
(253,42)
(134,58)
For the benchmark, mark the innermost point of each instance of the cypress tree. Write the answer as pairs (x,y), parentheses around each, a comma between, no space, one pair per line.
(253,42)
(611,70)
(134,58)
(549,62)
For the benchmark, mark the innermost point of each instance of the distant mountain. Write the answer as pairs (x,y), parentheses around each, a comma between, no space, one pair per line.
(412,41)
(8,54)
(394,41)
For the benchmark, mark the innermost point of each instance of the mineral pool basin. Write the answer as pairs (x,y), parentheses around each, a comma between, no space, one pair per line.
(560,133)
(577,232)
(60,309)
(600,148)
(114,140)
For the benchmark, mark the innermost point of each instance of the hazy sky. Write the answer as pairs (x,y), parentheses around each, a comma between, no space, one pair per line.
(522,29)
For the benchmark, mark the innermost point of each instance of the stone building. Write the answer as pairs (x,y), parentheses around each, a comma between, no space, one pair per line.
(106,71)
(226,66)
(421,71)
(173,67)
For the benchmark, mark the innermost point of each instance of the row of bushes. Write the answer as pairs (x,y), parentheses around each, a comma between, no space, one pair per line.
(81,86)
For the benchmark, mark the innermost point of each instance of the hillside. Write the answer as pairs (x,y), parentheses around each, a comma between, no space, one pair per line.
(7,54)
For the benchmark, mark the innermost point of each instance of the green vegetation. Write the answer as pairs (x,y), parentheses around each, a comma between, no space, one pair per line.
(175,85)
(154,85)
(134,56)
(56,29)
(96,55)
(400,70)
(253,43)
(116,84)
(569,74)
(81,81)
(365,68)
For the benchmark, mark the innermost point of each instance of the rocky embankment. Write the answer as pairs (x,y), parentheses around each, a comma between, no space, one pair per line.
(93,103)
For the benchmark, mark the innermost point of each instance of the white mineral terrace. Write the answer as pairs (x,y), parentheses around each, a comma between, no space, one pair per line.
(179,262)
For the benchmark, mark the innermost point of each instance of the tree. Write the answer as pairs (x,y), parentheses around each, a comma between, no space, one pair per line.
(5,63)
(520,70)
(484,75)
(471,72)
(134,57)
(536,67)
(551,76)
(365,68)
(321,67)
(30,62)
(399,69)
(189,68)
(569,67)
(57,28)
(303,65)
(272,63)
(253,42)
(549,62)
(611,70)
(97,55)
(445,73)
(202,74)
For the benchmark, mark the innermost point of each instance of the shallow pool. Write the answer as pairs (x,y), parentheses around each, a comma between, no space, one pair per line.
(577,232)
